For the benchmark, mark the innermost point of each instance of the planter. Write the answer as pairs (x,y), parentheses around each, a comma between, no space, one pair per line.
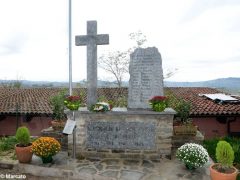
(73,106)
(46,160)
(58,125)
(216,175)
(185,130)
(159,107)
(24,154)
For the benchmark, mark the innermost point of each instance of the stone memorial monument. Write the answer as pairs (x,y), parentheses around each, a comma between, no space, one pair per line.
(124,134)
(91,40)
(146,77)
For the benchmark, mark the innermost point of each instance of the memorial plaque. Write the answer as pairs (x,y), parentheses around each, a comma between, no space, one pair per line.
(146,77)
(121,135)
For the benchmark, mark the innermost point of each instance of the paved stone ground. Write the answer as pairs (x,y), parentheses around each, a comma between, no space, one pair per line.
(107,169)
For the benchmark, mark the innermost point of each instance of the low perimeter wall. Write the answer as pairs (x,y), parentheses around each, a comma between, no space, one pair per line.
(123,134)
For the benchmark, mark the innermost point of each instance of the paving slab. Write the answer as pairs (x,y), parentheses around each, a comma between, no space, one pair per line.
(63,167)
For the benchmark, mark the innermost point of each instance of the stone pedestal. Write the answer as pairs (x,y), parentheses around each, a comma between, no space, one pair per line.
(123,134)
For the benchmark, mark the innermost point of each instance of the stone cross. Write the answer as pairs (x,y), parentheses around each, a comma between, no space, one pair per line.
(91,40)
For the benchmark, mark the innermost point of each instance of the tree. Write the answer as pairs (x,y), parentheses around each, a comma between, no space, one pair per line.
(170,72)
(117,62)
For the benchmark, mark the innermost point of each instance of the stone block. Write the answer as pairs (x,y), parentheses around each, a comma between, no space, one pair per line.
(146,77)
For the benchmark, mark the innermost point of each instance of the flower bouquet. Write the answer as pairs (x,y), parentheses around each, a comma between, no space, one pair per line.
(72,102)
(158,103)
(192,155)
(101,107)
(46,147)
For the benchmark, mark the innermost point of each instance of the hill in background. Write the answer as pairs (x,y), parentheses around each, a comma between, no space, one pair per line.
(231,85)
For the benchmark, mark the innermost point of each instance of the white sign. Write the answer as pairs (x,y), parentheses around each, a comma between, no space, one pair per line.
(68,129)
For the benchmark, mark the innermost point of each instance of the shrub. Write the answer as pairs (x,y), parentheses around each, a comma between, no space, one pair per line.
(181,106)
(183,110)
(211,145)
(57,102)
(224,154)
(193,155)
(23,136)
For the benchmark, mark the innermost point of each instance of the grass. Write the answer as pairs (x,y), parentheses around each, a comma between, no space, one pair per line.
(7,143)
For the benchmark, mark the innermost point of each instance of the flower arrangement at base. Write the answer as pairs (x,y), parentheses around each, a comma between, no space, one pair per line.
(72,102)
(158,103)
(46,147)
(192,155)
(101,107)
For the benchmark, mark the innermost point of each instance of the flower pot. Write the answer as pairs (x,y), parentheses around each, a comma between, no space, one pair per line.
(185,130)
(216,175)
(189,167)
(47,159)
(158,107)
(58,125)
(73,106)
(24,154)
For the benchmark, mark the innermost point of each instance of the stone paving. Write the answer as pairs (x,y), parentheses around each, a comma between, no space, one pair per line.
(110,169)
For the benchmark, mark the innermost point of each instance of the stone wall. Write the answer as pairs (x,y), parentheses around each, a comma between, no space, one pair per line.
(163,131)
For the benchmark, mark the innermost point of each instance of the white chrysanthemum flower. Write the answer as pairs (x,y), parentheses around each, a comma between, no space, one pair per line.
(193,155)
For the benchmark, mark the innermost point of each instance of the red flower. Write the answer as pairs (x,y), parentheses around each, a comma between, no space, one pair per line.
(158,99)
(73,98)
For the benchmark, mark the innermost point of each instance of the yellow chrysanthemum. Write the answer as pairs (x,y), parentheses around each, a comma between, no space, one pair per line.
(45,146)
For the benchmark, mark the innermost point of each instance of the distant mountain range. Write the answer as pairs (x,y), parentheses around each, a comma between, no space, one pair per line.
(230,84)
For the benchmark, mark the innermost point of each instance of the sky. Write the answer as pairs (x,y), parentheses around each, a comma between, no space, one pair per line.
(200,38)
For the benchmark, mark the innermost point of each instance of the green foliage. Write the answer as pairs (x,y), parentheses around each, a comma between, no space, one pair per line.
(224,154)
(57,102)
(211,145)
(23,136)
(235,143)
(183,110)
(7,143)
(119,102)
(181,106)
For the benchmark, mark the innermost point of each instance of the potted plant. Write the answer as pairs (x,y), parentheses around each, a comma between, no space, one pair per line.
(59,118)
(192,155)
(23,148)
(158,103)
(46,148)
(72,102)
(185,125)
(224,169)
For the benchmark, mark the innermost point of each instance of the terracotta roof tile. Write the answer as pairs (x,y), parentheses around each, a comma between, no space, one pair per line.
(202,105)
(37,100)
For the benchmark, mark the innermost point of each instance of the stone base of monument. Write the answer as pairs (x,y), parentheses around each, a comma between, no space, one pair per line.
(123,134)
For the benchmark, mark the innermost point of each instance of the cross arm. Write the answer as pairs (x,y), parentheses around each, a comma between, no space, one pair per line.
(99,39)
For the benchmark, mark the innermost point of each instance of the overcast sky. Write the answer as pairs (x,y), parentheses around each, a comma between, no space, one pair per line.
(201,38)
